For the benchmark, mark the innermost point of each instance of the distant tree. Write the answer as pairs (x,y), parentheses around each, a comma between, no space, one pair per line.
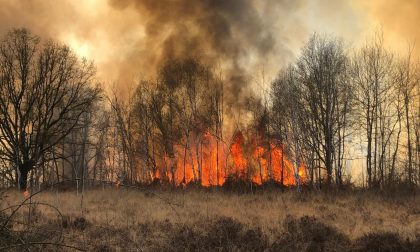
(124,146)
(408,82)
(44,91)
(283,102)
(165,114)
(143,128)
(371,74)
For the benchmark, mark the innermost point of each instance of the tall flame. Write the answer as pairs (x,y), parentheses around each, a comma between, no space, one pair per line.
(241,161)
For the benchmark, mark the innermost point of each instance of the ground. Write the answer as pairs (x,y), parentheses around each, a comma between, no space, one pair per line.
(126,219)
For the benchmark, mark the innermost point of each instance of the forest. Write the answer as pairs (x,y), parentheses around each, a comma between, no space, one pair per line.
(190,126)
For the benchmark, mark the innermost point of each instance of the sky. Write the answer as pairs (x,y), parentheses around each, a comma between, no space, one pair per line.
(128,39)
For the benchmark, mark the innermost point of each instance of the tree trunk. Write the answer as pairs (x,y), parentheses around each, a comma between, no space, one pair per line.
(23,172)
(369,151)
(197,155)
(192,160)
(260,169)
(409,153)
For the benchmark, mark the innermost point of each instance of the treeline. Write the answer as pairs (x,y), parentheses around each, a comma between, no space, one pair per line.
(336,98)
(329,108)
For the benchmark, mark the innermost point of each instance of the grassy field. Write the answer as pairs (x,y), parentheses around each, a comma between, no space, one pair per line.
(132,220)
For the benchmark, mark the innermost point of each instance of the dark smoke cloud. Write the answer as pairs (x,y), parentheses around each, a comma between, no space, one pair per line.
(235,35)
(239,35)
(129,39)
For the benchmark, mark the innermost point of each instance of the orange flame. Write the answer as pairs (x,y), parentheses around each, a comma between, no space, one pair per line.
(257,163)
(240,164)
(26,194)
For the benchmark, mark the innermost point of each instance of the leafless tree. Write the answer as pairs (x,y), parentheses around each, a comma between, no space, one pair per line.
(44,91)
(372,77)
(279,112)
(323,81)
(408,79)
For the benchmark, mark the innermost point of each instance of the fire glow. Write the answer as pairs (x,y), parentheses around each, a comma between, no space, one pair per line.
(239,160)
(26,194)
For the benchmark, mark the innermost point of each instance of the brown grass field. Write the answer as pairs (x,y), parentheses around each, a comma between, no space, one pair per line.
(127,219)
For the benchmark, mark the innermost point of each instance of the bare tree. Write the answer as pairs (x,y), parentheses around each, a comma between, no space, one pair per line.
(408,84)
(372,78)
(165,113)
(279,111)
(143,128)
(322,77)
(44,91)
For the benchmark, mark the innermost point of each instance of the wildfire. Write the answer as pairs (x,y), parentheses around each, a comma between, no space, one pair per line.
(210,163)
(239,162)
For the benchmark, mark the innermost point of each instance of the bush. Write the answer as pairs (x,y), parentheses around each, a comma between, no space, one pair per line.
(239,185)
(308,234)
(384,242)
(223,234)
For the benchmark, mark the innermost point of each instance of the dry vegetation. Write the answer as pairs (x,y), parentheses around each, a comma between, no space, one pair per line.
(127,219)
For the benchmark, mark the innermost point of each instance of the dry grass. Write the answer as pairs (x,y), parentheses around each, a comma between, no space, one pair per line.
(128,219)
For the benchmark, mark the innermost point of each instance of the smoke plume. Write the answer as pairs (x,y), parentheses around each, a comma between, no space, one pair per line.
(233,35)
(129,39)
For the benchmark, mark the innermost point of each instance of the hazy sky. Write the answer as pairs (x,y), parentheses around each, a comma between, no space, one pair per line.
(128,38)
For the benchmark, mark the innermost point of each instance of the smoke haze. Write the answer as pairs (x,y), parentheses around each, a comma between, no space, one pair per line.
(129,39)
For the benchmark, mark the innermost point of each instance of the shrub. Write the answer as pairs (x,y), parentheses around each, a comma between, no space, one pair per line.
(308,234)
(384,242)
(223,234)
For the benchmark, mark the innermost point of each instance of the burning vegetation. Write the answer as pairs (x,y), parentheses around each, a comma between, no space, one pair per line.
(196,122)
(173,132)
(201,111)
(241,160)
